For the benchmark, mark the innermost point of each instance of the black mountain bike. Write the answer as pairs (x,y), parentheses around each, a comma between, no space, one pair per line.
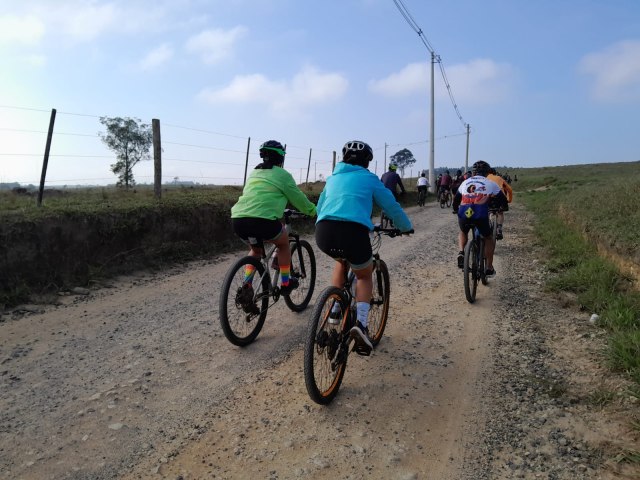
(445,199)
(328,342)
(244,302)
(422,197)
(475,263)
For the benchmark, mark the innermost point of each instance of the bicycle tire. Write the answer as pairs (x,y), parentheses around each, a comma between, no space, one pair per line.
(322,344)
(299,298)
(482,263)
(379,310)
(494,227)
(470,270)
(448,200)
(442,201)
(239,326)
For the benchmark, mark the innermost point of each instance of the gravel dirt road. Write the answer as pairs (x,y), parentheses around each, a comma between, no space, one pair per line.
(136,380)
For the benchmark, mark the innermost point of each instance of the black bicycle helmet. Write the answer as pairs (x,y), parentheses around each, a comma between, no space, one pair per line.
(459,173)
(272,152)
(356,152)
(481,168)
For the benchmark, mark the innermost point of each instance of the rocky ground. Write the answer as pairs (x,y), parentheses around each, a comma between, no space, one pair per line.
(135,380)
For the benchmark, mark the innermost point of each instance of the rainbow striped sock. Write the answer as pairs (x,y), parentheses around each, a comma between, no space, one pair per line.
(285,271)
(249,272)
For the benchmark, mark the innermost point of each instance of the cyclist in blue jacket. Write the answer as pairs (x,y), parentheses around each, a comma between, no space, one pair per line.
(344,223)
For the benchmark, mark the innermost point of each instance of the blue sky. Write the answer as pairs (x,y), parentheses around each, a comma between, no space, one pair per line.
(541,83)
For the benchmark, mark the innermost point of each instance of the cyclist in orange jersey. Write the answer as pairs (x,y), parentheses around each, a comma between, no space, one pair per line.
(508,192)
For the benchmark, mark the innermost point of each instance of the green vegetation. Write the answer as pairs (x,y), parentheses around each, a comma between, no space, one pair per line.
(588,220)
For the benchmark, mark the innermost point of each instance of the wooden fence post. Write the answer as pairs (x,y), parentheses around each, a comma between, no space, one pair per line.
(157,158)
(309,165)
(45,162)
(246,162)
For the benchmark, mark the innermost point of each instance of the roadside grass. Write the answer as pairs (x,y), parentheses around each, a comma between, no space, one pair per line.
(580,209)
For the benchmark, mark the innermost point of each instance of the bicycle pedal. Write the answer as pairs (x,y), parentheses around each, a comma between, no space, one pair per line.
(362,350)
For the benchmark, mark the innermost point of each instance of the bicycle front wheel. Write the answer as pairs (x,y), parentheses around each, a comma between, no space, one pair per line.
(325,353)
(470,271)
(379,310)
(303,267)
(244,301)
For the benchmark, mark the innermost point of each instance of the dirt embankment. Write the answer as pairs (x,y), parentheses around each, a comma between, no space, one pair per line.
(137,381)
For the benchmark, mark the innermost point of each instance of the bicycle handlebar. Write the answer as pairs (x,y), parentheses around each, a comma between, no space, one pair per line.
(391,232)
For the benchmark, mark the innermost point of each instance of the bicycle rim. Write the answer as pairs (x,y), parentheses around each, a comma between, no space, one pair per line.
(448,200)
(379,310)
(302,255)
(325,355)
(241,320)
(470,271)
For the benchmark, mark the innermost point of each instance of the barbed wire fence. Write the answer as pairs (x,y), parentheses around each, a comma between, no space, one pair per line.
(188,155)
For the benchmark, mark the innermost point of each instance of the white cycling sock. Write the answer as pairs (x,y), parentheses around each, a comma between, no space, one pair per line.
(363,313)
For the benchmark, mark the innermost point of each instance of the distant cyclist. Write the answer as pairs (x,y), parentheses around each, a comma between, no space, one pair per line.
(391,180)
(423,184)
(508,192)
(457,180)
(471,203)
(445,183)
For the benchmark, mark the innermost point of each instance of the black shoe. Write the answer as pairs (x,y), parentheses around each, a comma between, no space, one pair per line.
(499,234)
(461,260)
(490,272)
(360,335)
(244,299)
(287,289)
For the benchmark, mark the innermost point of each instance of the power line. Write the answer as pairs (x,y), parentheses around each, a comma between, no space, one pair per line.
(416,28)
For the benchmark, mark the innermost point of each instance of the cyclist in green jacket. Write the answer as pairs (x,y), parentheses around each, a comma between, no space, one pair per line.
(259,209)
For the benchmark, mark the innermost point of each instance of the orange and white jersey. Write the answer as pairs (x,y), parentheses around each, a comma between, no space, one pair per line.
(502,183)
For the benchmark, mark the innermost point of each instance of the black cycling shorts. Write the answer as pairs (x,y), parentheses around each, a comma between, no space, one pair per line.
(256,228)
(345,240)
(483,225)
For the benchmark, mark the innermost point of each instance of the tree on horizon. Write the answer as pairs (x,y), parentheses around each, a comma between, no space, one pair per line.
(130,139)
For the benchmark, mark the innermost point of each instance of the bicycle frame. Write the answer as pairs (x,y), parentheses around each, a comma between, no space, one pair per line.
(270,253)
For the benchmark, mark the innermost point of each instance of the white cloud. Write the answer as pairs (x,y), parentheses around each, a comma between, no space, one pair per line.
(35,60)
(215,44)
(477,82)
(88,21)
(306,89)
(26,30)
(615,71)
(157,57)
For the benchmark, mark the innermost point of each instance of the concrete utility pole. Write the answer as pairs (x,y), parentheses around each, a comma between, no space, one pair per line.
(385,157)
(466,161)
(432,134)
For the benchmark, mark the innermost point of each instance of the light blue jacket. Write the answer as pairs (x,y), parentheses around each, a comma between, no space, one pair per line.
(349,196)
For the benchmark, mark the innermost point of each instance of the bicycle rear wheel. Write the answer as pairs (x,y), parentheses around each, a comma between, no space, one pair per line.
(325,354)
(470,270)
(379,310)
(243,304)
(448,199)
(303,267)
(482,263)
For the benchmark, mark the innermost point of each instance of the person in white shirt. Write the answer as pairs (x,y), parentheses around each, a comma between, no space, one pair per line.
(423,185)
